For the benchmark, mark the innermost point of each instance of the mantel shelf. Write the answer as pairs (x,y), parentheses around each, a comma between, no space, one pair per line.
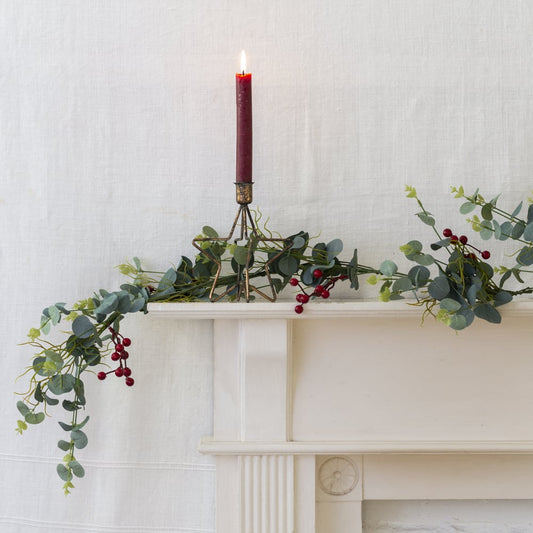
(334,309)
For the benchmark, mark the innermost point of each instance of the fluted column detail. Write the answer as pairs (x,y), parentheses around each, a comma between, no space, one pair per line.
(268,493)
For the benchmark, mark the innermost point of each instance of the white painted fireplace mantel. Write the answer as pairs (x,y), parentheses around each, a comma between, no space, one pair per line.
(354,401)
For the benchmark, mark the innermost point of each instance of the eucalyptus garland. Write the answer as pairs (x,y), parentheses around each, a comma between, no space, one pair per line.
(453,282)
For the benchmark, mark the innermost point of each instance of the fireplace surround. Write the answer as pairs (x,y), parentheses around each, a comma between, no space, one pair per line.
(357,400)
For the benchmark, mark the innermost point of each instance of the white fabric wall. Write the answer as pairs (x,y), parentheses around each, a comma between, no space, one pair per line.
(117,139)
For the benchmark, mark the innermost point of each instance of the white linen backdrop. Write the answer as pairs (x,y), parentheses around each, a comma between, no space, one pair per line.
(117,138)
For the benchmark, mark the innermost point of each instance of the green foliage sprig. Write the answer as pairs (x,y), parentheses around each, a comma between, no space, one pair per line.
(452,282)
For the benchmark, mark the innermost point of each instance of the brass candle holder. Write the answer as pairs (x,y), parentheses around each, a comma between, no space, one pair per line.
(251,237)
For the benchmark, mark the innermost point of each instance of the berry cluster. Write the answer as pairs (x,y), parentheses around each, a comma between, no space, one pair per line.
(121,355)
(463,239)
(322,290)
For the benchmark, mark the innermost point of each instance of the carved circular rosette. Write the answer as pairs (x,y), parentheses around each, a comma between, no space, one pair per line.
(338,476)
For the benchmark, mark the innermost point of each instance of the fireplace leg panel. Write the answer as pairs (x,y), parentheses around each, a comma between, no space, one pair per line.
(304,493)
(267,494)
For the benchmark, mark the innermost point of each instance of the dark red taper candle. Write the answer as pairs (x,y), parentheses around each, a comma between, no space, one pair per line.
(244,151)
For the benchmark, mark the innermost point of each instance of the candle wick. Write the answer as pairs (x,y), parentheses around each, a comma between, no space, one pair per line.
(243,72)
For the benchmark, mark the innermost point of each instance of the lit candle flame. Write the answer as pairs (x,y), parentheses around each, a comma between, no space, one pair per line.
(243,62)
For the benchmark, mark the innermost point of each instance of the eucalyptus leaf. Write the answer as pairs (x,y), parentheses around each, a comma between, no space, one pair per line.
(82,327)
(334,248)
(23,408)
(307,275)
(34,418)
(209,232)
(449,304)
(298,242)
(458,322)
(54,358)
(505,277)
(388,268)
(166,284)
(70,406)
(466,208)
(419,275)
(516,231)
(516,274)
(502,298)
(414,247)
(471,294)
(39,367)
(50,401)
(79,391)
(81,424)
(76,468)
(426,219)
(45,325)
(79,438)
(288,265)
(61,383)
(319,252)
(486,230)
(487,312)
(439,288)
(507,230)
(353,272)
(467,314)
(423,259)
(137,304)
(63,445)
(440,244)
(530,214)
(525,256)
(497,230)
(517,209)
(124,302)
(402,285)
(486,212)
(55,314)
(241,255)
(528,232)
(486,234)
(63,472)
(38,394)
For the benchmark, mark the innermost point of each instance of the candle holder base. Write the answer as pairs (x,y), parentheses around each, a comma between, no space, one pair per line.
(245,260)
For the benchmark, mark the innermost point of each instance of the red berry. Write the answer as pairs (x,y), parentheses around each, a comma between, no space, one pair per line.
(485,254)
(304,299)
(318,273)
(454,238)
(463,239)
(325,293)
(447,232)
(293,282)
(115,356)
(318,290)
(127,371)
(299,298)
(126,341)
(299,309)
(129,382)
(101,375)
(119,372)
(124,354)
(119,347)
